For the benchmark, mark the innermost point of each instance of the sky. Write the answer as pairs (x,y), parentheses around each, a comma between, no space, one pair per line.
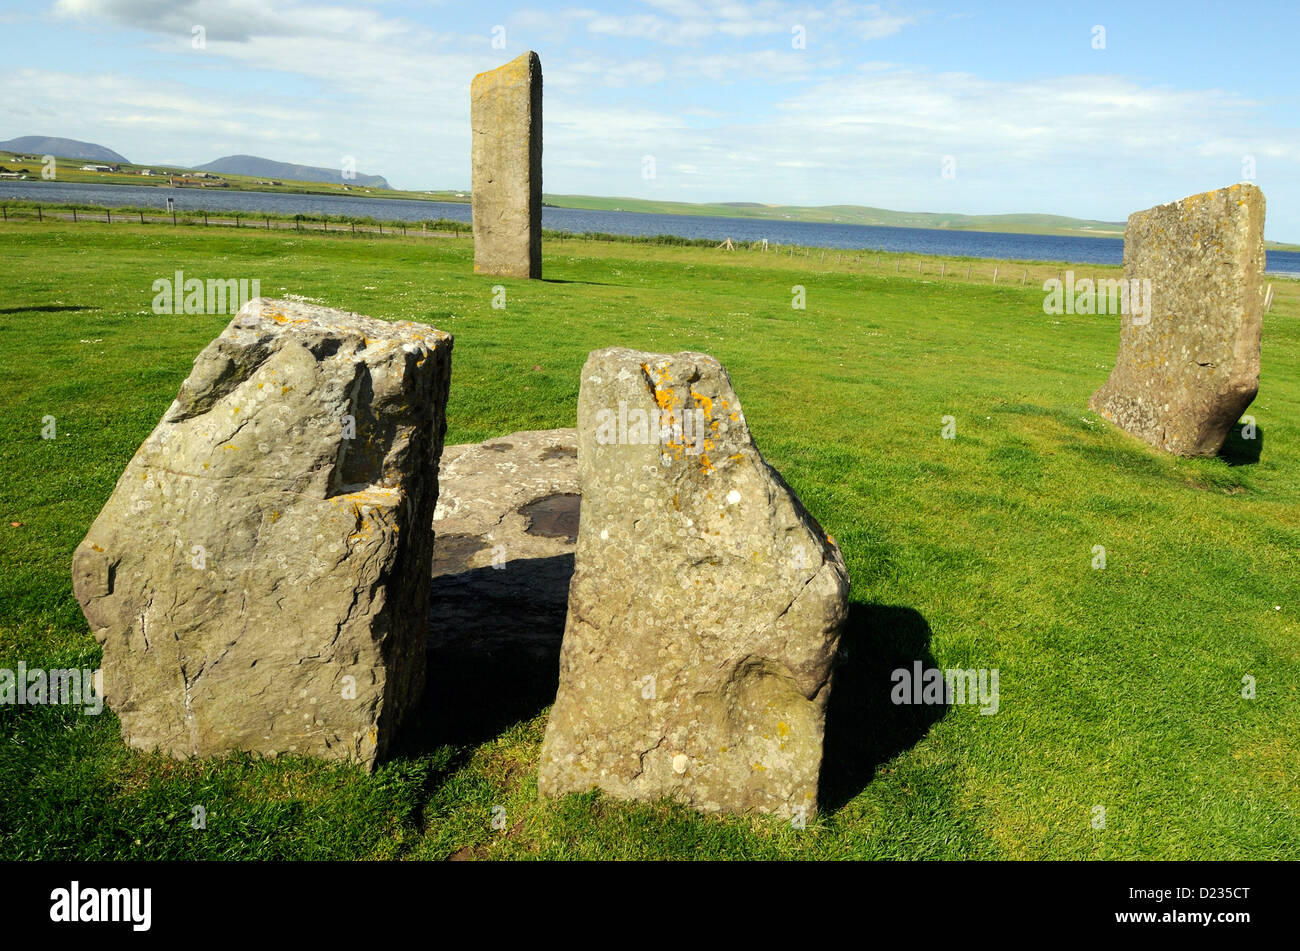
(1087,109)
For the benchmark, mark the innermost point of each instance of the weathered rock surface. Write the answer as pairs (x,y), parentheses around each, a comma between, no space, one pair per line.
(506,168)
(1185,374)
(506,524)
(705,606)
(259,577)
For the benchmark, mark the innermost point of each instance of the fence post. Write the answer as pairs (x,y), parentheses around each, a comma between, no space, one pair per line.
(205,219)
(173,214)
(268,222)
(354,227)
(74,216)
(142,217)
(995,275)
(943,268)
(1024,277)
(39,216)
(108,216)
(403,229)
(1268,299)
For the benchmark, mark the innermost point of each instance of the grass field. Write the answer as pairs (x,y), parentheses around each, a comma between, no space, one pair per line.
(1119,688)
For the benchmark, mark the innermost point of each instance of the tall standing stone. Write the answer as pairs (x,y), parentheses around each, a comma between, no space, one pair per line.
(506,120)
(259,577)
(1189,366)
(705,607)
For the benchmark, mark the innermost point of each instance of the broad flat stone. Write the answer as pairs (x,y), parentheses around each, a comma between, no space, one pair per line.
(1185,374)
(259,576)
(705,607)
(507,525)
(506,168)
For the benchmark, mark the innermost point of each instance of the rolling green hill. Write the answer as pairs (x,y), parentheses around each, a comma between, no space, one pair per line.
(851,215)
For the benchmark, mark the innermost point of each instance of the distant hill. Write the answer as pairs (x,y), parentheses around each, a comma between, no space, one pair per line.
(61,148)
(282,171)
(851,215)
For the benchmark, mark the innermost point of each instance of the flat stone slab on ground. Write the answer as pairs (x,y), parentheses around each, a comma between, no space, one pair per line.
(506,527)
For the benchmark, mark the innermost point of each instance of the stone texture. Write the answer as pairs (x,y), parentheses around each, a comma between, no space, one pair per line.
(1183,378)
(506,168)
(256,554)
(696,566)
(507,524)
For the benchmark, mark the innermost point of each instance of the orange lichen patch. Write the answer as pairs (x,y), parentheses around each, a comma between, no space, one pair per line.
(705,464)
(736,457)
(831,539)
(703,402)
(229,446)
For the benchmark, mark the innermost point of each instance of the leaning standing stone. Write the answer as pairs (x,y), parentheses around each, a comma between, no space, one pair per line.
(705,607)
(1188,363)
(259,577)
(506,160)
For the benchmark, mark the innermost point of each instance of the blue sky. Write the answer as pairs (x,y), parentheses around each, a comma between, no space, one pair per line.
(1034,117)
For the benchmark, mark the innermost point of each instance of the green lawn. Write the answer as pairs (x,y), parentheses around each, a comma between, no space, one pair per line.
(1119,687)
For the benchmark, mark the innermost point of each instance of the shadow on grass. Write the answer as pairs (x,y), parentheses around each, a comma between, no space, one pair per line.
(557,280)
(864,728)
(45,308)
(1238,451)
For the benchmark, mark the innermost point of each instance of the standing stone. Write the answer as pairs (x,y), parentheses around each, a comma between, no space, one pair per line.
(259,577)
(506,120)
(1189,366)
(705,607)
